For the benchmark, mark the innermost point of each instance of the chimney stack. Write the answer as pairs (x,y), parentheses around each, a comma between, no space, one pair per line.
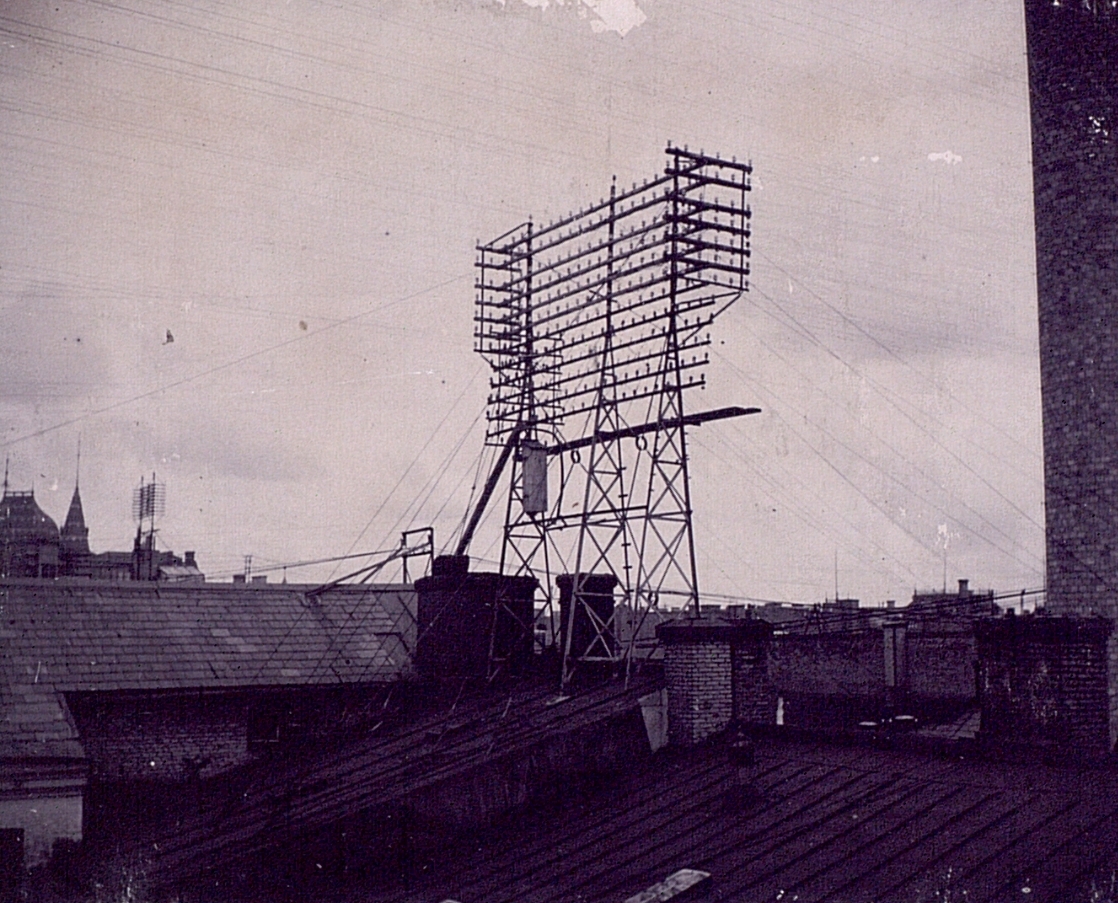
(716,670)
(1042,685)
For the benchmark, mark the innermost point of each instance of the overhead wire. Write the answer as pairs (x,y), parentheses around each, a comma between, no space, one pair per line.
(485,462)
(781,489)
(904,413)
(162,388)
(252,355)
(152,60)
(902,360)
(839,472)
(415,460)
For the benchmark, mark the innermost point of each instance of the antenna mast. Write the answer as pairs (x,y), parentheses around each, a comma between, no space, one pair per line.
(149,500)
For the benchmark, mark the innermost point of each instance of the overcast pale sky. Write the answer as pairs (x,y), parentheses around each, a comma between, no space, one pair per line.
(293,191)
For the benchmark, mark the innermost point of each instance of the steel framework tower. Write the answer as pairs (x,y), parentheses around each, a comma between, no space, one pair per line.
(595,327)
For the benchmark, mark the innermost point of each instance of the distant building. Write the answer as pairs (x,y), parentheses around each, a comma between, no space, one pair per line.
(176,571)
(32,547)
(965,603)
(29,539)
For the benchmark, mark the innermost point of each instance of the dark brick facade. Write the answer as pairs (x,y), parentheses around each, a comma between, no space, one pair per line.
(839,664)
(829,680)
(174,737)
(1073,86)
(466,618)
(754,691)
(940,668)
(1041,681)
(1042,684)
(162,739)
(822,681)
(837,679)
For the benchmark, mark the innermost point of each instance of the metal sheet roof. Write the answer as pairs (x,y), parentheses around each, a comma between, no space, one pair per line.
(820,823)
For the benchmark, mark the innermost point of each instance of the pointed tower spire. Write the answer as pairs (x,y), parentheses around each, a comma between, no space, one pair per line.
(74,533)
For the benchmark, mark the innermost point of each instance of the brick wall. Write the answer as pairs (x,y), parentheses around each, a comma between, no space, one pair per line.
(700,690)
(1073,87)
(827,681)
(837,679)
(754,692)
(176,737)
(1112,685)
(940,667)
(1042,684)
(850,664)
(157,738)
(1041,681)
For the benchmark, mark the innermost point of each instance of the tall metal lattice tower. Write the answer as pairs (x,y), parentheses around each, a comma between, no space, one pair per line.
(596,327)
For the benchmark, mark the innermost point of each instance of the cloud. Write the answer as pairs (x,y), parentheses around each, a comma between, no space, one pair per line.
(230,450)
(48,350)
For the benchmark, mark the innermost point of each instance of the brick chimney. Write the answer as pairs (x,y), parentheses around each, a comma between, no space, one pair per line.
(471,622)
(716,670)
(1042,685)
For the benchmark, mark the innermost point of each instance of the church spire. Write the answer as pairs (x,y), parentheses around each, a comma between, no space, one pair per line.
(74,533)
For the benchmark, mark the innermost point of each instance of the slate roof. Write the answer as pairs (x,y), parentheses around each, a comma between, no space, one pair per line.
(89,636)
(845,824)
(809,821)
(817,821)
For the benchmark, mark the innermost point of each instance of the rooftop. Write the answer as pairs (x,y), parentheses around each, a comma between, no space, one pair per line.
(816,822)
(21,519)
(464,737)
(82,636)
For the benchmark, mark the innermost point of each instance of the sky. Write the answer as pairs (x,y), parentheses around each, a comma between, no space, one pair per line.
(237,243)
